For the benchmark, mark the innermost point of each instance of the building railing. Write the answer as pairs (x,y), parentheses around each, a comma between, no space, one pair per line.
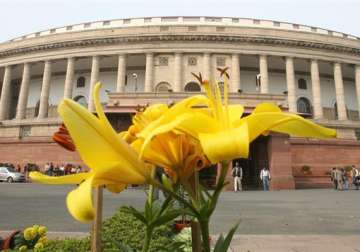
(190,21)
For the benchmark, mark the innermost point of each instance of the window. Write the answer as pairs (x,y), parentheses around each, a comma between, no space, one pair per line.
(147,20)
(81,100)
(192,87)
(163,87)
(87,25)
(192,61)
(313,29)
(25,131)
(235,20)
(169,19)
(105,23)
(36,112)
(277,24)
(80,82)
(192,28)
(303,106)
(256,21)
(357,134)
(296,26)
(163,61)
(220,29)
(69,28)
(302,84)
(164,28)
(127,21)
(220,61)
(212,19)
(52,30)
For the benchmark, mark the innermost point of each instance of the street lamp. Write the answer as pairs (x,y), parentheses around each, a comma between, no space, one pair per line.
(135,76)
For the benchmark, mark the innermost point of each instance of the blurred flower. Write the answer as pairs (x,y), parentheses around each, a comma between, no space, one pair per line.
(23,248)
(42,230)
(39,246)
(29,234)
(111,159)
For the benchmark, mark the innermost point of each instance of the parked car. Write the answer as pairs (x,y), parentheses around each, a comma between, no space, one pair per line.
(10,175)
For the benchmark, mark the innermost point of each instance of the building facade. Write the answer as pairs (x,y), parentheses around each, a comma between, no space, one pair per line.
(306,70)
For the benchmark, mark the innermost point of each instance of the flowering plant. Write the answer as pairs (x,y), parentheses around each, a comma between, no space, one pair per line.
(31,238)
(181,139)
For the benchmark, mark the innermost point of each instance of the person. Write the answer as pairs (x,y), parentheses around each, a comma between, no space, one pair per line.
(265,178)
(354,175)
(47,168)
(333,178)
(237,173)
(339,178)
(345,179)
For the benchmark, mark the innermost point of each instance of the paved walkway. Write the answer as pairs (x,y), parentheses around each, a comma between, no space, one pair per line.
(298,243)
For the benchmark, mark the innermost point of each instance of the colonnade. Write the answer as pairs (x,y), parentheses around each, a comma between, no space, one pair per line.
(235,83)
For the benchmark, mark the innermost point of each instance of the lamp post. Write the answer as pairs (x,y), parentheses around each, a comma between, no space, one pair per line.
(135,76)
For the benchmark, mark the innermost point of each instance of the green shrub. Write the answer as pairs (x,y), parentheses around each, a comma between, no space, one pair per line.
(68,245)
(126,229)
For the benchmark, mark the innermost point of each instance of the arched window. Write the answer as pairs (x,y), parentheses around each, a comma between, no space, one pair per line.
(80,82)
(337,112)
(302,84)
(163,87)
(303,106)
(81,100)
(192,87)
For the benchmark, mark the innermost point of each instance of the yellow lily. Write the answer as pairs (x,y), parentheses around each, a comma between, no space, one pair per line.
(177,153)
(112,161)
(224,135)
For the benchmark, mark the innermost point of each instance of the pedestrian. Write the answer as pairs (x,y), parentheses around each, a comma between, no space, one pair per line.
(354,176)
(345,178)
(265,178)
(340,179)
(237,173)
(333,178)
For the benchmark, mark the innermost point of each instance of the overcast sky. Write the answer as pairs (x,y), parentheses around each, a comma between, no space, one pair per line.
(19,17)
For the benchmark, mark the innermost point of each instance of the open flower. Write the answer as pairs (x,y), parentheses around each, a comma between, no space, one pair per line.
(222,131)
(112,161)
(177,153)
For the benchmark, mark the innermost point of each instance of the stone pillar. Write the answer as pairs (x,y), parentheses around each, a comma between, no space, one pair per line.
(24,92)
(235,84)
(279,153)
(357,82)
(45,91)
(178,84)
(316,90)
(207,66)
(339,89)
(149,72)
(69,78)
(121,74)
(5,94)
(264,88)
(290,83)
(95,68)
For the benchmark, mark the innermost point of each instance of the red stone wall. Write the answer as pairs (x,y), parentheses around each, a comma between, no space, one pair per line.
(321,156)
(38,150)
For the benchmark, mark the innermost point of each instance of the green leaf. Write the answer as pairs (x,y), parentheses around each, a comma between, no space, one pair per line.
(122,247)
(222,245)
(167,217)
(138,215)
(167,183)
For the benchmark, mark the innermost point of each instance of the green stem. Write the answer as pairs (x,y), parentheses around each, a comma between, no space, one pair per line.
(204,225)
(148,236)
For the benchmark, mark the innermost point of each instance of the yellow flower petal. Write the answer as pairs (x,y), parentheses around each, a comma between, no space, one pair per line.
(226,144)
(79,201)
(68,179)
(98,146)
(116,188)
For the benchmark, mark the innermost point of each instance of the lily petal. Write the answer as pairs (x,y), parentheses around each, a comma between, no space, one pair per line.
(226,144)
(79,201)
(67,179)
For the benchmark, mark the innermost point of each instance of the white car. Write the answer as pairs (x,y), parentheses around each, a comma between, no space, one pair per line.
(8,174)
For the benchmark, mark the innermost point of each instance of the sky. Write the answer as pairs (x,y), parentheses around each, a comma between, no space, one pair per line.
(20,17)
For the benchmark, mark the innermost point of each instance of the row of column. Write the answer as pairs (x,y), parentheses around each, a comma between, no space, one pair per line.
(235,84)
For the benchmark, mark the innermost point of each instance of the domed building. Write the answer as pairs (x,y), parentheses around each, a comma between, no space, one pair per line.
(306,70)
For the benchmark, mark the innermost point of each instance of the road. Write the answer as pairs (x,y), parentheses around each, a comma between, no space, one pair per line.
(321,211)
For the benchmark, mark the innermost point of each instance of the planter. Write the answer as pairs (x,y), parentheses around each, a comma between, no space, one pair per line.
(9,242)
(181,224)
